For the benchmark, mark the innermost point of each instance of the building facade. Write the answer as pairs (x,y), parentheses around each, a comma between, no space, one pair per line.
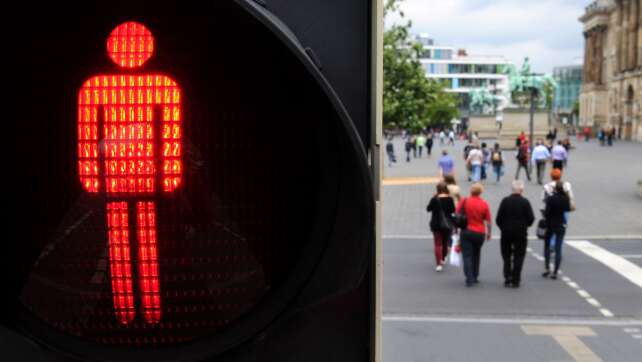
(613,67)
(462,73)
(567,93)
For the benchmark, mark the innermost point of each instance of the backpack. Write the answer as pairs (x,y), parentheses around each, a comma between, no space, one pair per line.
(497,157)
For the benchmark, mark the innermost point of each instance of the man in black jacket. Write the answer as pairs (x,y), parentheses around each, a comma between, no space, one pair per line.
(514,216)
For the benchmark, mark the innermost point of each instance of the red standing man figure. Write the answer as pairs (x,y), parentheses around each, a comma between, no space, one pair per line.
(129,148)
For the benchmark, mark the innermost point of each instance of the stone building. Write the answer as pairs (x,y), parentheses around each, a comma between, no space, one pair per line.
(611,92)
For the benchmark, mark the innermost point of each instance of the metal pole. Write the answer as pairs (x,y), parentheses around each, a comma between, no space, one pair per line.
(532,118)
(530,127)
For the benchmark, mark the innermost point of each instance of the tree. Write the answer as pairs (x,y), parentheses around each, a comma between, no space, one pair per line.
(410,100)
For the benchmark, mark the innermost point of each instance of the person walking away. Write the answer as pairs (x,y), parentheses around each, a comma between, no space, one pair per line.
(475,160)
(442,137)
(390,151)
(601,135)
(451,138)
(446,165)
(514,217)
(429,141)
(540,156)
(421,142)
(609,135)
(413,145)
(455,193)
(559,155)
(556,207)
(521,139)
(497,160)
(587,133)
(485,162)
(522,160)
(550,137)
(467,150)
(408,147)
(549,189)
(478,229)
(453,189)
(441,207)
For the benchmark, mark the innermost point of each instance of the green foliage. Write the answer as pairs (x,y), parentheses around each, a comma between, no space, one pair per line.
(576,108)
(410,100)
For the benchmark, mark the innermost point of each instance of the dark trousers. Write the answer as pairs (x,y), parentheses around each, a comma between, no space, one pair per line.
(391,157)
(471,244)
(429,149)
(558,164)
(524,166)
(420,148)
(442,243)
(513,246)
(559,240)
(541,170)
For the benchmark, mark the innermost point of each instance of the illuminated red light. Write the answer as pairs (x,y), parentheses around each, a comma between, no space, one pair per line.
(130,141)
(148,261)
(120,261)
(128,130)
(130,45)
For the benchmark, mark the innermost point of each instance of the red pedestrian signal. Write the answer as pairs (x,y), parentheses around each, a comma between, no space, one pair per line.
(140,153)
(202,189)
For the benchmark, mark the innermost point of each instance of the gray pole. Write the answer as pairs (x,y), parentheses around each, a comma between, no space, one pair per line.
(532,119)
(530,127)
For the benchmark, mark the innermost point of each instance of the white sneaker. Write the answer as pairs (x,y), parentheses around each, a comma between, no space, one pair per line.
(439,268)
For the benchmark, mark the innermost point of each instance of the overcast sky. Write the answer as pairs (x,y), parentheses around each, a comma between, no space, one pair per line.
(545,30)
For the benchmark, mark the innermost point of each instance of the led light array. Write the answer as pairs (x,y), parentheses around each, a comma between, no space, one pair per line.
(120,261)
(130,45)
(148,261)
(129,135)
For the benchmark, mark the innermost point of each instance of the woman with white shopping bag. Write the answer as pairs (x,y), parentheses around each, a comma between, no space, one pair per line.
(441,207)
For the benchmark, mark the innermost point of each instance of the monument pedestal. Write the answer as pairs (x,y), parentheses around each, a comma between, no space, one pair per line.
(485,126)
(517,121)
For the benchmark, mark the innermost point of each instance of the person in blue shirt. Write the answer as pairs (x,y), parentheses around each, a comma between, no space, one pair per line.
(541,155)
(446,164)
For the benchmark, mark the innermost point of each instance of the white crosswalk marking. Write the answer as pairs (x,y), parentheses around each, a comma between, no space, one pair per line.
(620,265)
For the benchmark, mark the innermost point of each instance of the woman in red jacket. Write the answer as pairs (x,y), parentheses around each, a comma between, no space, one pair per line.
(477,230)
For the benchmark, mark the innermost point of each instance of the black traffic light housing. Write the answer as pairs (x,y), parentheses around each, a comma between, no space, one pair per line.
(325,312)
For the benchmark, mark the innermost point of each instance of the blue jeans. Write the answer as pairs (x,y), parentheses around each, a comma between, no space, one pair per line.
(497,169)
(554,238)
(476,172)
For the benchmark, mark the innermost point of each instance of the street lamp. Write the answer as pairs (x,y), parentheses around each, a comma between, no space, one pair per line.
(533,90)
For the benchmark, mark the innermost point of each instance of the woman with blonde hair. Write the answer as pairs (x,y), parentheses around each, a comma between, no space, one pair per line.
(453,190)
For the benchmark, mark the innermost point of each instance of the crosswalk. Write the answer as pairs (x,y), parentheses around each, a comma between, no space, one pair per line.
(617,263)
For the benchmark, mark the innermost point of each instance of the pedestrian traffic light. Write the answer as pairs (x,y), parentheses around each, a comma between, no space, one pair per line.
(194,187)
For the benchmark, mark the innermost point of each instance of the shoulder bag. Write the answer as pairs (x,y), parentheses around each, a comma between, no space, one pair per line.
(460,219)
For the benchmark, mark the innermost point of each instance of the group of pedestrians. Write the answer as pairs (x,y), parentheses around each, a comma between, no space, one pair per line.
(468,220)
(605,135)
(415,143)
(479,160)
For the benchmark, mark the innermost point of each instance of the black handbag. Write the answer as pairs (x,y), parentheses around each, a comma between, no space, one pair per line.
(541,229)
(460,219)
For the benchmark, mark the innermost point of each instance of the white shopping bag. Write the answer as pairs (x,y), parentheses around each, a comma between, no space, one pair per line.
(455,256)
